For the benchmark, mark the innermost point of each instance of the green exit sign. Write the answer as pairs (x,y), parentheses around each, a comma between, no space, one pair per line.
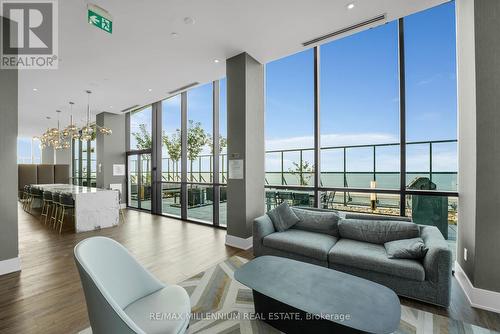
(100,18)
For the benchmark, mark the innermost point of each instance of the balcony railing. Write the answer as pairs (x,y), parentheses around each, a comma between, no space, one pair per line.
(200,170)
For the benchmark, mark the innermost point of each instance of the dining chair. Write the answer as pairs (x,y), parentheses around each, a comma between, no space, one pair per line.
(66,203)
(122,295)
(47,205)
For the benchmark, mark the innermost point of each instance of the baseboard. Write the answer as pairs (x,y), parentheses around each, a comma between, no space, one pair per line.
(238,242)
(10,266)
(123,205)
(480,298)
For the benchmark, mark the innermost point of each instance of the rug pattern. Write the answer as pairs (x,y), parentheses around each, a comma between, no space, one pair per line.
(222,305)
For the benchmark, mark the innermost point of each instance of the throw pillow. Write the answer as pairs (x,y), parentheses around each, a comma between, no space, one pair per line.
(406,249)
(377,231)
(283,217)
(317,221)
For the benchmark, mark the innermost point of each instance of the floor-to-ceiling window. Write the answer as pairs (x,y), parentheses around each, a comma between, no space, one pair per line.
(200,190)
(384,105)
(184,137)
(431,116)
(171,156)
(223,152)
(359,108)
(139,158)
(290,129)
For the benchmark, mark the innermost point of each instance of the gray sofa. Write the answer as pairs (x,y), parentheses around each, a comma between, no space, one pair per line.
(428,280)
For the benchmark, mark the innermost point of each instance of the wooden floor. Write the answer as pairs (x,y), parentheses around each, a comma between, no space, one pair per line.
(46,296)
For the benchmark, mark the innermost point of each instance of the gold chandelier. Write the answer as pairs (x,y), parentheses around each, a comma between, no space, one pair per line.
(61,139)
(54,137)
(90,130)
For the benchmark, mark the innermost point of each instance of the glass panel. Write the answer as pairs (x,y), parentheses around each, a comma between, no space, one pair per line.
(141,129)
(171,143)
(275,197)
(200,202)
(76,162)
(431,100)
(360,108)
(133,181)
(93,164)
(223,206)
(223,131)
(24,151)
(384,204)
(290,119)
(200,116)
(145,185)
(85,170)
(171,199)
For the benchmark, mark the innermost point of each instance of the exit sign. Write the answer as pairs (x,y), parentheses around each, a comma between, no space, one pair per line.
(100,18)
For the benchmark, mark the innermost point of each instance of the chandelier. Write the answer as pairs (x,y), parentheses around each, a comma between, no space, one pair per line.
(90,130)
(61,139)
(54,137)
(71,131)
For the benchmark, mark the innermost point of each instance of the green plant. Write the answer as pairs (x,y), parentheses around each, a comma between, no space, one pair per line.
(303,170)
(197,138)
(143,138)
(222,144)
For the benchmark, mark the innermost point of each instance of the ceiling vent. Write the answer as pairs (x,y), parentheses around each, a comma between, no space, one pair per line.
(130,108)
(183,88)
(371,23)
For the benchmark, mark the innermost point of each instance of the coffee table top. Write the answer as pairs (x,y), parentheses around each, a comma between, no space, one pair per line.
(371,307)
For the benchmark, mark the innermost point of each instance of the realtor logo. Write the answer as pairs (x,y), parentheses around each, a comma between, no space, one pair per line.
(29,38)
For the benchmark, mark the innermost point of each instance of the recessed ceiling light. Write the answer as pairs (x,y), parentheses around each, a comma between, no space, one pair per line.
(189,20)
(110,107)
(150,89)
(35,89)
(216,61)
(350,6)
(174,35)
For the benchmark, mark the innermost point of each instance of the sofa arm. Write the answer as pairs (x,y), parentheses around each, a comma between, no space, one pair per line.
(438,260)
(369,216)
(262,226)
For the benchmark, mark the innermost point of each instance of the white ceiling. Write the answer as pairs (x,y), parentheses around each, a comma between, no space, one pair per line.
(141,53)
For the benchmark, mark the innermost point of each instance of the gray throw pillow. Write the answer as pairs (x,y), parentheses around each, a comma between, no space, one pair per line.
(317,221)
(283,217)
(406,249)
(377,231)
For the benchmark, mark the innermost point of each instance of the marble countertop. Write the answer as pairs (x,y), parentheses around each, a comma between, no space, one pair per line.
(68,188)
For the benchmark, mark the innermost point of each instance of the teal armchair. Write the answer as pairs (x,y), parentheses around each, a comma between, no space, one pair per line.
(122,296)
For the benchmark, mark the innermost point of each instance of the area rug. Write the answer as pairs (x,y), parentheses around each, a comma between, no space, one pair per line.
(221,305)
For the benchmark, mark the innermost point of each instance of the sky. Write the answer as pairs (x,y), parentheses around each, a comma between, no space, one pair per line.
(359,96)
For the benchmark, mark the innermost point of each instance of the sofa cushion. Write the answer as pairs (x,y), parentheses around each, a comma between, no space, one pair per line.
(369,256)
(309,244)
(283,217)
(377,231)
(406,249)
(317,221)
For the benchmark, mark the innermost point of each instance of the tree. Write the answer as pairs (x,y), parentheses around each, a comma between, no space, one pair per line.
(197,138)
(303,171)
(174,147)
(143,138)
(222,144)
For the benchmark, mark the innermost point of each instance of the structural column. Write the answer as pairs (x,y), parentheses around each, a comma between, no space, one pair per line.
(478,77)
(9,251)
(246,152)
(111,152)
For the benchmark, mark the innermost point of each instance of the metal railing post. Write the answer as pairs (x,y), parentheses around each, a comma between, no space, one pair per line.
(345,177)
(282,170)
(301,176)
(430,161)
